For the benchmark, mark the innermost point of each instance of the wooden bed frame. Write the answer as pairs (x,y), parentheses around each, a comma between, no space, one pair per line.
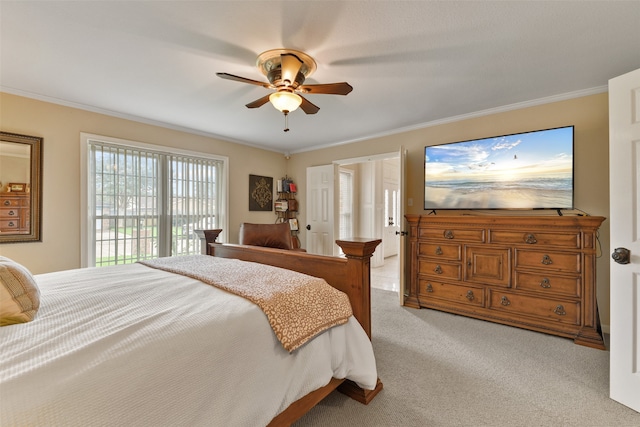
(351,275)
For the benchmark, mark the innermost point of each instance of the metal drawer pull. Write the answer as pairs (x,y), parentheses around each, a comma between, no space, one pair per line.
(546,260)
(429,287)
(560,310)
(7,203)
(530,239)
(12,213)
(438,250)
(470,296)
(448,234)
(505,301)
(12,224)
(545,283)
(438,269)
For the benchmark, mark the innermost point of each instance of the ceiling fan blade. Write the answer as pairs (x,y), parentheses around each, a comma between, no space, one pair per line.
(342,88)
(289,66)
(308,107)
(259,102)
(228,76)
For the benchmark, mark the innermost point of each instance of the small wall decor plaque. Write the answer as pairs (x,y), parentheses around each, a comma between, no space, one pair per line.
(260,193)
(17,187)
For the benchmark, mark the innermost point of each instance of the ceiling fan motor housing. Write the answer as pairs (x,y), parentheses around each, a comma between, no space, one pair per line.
(275,78)
(270,63)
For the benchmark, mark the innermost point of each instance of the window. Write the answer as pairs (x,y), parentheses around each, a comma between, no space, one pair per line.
(145,202)
(346,204)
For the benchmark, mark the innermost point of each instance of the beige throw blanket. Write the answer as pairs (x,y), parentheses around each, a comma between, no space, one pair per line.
(298,306)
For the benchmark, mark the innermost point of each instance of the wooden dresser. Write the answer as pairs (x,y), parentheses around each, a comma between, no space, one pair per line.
(15,213)
(536,273)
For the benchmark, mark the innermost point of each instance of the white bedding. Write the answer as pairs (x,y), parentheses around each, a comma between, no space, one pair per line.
(135,346)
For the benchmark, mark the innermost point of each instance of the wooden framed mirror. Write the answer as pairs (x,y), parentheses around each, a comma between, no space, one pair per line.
(20,188)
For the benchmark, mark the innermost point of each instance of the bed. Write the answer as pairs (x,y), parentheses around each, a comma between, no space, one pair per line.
(140,345)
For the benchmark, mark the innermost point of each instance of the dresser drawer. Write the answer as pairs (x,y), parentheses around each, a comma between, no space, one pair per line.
(549,285)
(441,270)
(453,293)
(549,261)
(569,240)
(7,202)
(440,250)
(549,309)
(9,224)
(7,213)
(455,234)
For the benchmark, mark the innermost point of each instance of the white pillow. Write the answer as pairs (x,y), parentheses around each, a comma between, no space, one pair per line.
(19,293)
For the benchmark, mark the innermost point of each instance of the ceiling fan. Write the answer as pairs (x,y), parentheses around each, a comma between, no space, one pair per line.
(286,70)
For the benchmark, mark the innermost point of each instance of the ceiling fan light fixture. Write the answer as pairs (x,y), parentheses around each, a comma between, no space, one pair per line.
(285,101)
(286,71)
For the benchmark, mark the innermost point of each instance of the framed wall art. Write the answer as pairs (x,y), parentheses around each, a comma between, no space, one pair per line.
(260,193)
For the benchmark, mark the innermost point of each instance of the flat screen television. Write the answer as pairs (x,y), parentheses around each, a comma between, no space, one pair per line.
(530,170)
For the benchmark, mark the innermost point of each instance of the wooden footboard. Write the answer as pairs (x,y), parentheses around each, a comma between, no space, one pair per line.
(350,274)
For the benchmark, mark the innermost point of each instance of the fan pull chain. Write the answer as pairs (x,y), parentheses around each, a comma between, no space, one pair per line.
(286,121)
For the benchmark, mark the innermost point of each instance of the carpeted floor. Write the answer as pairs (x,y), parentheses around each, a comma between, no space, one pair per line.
(440,369)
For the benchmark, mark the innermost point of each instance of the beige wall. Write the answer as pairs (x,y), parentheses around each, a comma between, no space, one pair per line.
(588,114)
(13,169)
(60,128)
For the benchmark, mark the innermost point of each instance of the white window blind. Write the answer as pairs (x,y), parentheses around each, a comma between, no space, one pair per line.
(145,203)
(194,186)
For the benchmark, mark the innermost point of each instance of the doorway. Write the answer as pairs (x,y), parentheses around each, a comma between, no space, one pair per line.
(377,213)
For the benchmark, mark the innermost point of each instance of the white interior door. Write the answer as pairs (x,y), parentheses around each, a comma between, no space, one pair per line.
(624,179)
(391,218)
(320,209)
(402,223)
(391,221)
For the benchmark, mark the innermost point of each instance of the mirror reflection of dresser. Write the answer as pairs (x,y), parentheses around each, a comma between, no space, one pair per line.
(15,213)
(20,183)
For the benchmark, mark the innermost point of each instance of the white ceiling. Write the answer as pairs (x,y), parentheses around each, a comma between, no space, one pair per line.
(411,63)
